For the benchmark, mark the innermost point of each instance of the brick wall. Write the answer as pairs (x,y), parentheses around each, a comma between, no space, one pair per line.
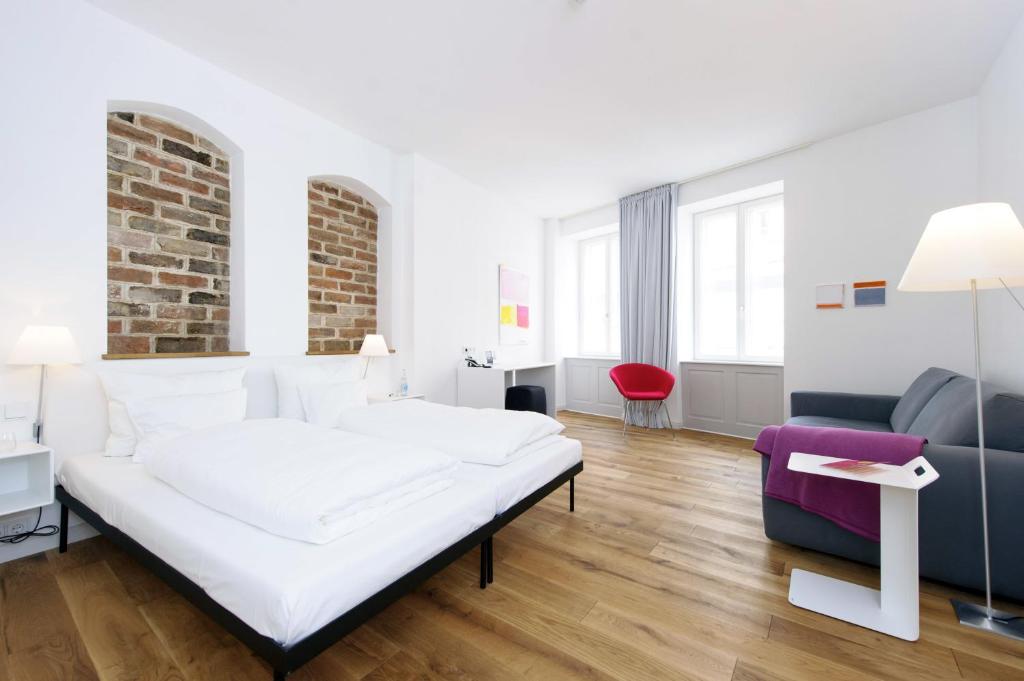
(342,268)
(168,238)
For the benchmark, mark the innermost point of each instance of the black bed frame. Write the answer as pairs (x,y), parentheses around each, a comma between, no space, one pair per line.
(286,659)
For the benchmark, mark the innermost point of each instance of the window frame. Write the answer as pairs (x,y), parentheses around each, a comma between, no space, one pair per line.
(739,209)
(580,289)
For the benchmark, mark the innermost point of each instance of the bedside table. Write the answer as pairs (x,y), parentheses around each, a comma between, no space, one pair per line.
(26,478)
(373,399)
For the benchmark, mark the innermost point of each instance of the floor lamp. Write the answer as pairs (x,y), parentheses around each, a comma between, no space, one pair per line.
(43,345)
(965,249)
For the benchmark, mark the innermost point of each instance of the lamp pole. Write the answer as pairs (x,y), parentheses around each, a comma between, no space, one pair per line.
(981,446)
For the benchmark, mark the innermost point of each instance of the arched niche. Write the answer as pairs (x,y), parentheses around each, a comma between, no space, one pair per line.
(349,231)
(175,280)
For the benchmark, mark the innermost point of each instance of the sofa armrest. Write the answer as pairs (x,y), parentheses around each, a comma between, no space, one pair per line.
(843,405)
(950,516)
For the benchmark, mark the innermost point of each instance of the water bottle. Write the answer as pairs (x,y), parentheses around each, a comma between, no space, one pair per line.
(404,386)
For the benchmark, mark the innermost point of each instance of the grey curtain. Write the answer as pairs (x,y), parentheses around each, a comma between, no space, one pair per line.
(647,251)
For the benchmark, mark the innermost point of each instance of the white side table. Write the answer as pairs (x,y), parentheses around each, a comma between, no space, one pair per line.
(895,610)
(26,478)
(395,398)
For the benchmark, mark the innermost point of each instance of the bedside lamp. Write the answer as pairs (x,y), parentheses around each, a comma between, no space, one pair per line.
(964,249)
(43,345)
(374,345)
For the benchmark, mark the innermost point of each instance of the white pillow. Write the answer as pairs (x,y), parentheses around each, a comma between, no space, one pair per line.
(122,386)
(289,378)
(157,419)
(324,402)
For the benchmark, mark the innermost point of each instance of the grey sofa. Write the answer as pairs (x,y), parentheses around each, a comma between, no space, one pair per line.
(940,405)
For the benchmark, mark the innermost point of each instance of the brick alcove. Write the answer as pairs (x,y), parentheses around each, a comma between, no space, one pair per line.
(343,248)
(168,238)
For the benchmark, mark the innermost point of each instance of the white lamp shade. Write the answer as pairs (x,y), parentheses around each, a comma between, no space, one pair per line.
(45,345)
(374,346)
(980,241)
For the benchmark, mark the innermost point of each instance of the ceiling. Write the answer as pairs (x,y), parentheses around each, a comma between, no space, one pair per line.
(564,105)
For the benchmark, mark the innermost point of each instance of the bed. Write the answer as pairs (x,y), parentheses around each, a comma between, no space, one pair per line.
(289,600)
(518,478)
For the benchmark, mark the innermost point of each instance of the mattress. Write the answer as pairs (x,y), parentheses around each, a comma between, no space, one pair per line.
(282,588)
(530,468)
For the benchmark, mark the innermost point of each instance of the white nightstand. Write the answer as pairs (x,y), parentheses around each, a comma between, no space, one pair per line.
(26,478)
(395,398)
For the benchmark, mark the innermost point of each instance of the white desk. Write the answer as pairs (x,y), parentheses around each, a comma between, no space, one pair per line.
(481,387)
(895,610)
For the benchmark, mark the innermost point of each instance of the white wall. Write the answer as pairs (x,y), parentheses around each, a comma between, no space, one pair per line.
(1001,142)
(462,233)
(855,208)
(66,60)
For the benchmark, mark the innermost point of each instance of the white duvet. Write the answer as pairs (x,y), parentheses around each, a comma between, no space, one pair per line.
(297,480)
(485,436)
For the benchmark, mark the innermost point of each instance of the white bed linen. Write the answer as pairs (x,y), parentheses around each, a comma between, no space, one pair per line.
(538,465)
(484,436)
(282,588)
(298,480)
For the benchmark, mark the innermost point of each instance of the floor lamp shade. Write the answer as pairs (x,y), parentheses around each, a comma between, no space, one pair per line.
(965,249)
(45,345)
(983,242)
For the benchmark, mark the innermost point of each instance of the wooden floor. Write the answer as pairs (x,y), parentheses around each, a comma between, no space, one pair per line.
(663,572)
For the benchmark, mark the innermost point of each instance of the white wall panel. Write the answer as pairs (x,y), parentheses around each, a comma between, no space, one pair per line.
(734,399)
(588,387)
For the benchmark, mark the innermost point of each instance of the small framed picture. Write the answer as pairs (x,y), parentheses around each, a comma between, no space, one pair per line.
(868,293)
(829,296)
(489,356)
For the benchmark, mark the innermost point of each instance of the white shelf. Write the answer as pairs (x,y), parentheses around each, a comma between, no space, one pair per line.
(395,398)
(26,478)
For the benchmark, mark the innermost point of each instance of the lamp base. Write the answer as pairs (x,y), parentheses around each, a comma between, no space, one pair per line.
(998,622)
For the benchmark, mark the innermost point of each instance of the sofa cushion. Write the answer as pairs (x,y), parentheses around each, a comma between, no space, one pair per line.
(920,392)
(951,417)
(1004,422)
(833,422)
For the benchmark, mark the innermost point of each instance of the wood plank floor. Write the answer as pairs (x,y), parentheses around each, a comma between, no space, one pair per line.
(663,572)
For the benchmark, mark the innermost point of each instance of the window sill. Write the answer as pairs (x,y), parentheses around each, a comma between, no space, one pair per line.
(603,358)
(318,353)
(173,355)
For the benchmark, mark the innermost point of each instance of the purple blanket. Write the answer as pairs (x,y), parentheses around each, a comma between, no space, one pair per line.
(850,504)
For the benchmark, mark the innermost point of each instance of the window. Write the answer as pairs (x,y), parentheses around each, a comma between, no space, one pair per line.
(599,295)
(738,268)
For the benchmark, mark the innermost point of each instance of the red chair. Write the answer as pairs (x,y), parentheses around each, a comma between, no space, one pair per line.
(643,383)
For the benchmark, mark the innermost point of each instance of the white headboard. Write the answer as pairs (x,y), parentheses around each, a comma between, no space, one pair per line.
(75,421)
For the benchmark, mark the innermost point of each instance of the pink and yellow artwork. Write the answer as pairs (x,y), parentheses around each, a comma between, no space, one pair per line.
(513,306)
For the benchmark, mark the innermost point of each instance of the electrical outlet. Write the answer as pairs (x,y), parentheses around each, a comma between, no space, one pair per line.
(19,525)
(3,530)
